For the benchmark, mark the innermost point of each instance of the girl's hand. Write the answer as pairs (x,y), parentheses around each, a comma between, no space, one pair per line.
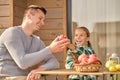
(71,46)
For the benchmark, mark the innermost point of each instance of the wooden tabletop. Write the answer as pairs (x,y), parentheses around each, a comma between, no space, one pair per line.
(107,72)
(68,72)
(4,75)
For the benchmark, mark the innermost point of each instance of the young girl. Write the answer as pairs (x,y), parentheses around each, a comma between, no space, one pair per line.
(82,47)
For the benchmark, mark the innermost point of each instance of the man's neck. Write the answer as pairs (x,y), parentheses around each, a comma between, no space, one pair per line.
(26,29)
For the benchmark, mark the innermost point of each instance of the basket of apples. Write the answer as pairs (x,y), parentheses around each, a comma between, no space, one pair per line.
(86,63)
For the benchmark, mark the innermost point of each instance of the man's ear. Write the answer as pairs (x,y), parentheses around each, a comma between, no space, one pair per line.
(28,15)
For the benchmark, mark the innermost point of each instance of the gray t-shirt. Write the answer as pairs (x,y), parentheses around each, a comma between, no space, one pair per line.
(19,53)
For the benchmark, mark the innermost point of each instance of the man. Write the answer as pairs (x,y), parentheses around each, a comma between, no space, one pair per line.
(21,51)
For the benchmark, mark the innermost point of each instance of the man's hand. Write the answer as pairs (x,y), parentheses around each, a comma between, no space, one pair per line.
(33,75)
(58,45)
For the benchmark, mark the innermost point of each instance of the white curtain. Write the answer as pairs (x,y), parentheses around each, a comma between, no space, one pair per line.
(102,18)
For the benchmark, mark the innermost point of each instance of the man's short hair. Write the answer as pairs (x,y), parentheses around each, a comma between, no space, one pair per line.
(37,7)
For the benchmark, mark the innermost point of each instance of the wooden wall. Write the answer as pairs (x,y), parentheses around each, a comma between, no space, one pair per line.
(55,24)
(19,7)
(54,19)
(12,11)
(6,19)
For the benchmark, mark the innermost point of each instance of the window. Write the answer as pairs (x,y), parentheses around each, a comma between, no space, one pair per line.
(102,18)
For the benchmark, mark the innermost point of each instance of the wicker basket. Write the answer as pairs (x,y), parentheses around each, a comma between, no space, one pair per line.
(87,68)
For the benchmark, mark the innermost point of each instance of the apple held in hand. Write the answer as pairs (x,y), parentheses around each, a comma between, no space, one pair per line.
(61,37)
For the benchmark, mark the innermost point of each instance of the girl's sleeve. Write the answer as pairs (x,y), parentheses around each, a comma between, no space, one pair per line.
(69,61)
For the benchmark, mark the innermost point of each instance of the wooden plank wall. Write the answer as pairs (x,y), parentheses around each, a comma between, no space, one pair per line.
(54,19)
(11,14)
(5,14)
(55,24)
(19,7)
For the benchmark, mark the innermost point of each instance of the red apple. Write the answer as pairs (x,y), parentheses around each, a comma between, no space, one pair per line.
(93,55)
(85,60)
(97,62)
(92,59)
(81,57)
(61,37)
(82,63)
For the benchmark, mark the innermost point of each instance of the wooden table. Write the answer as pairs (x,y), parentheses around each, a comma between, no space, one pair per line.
(69,72)
(111,74)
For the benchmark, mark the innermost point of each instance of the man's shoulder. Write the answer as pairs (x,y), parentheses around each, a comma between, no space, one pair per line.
(8,31)
(12,29)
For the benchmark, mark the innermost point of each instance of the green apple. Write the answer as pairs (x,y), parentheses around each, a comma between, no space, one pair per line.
(117,67)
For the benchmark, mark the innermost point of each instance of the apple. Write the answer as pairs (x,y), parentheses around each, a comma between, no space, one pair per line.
(97,62)
(92,58)
(85,60)
(93,55)
(81,57)
(82,63)
(61,37)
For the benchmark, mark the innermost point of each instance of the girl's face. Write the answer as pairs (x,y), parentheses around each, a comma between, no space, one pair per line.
(81,38)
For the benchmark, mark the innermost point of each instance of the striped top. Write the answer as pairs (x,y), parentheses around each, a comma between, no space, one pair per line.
(70,60)
(78,51)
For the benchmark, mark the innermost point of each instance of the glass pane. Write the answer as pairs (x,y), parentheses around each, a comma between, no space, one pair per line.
(102,18)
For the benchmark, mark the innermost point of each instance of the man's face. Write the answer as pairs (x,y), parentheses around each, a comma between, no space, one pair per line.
(37,19)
